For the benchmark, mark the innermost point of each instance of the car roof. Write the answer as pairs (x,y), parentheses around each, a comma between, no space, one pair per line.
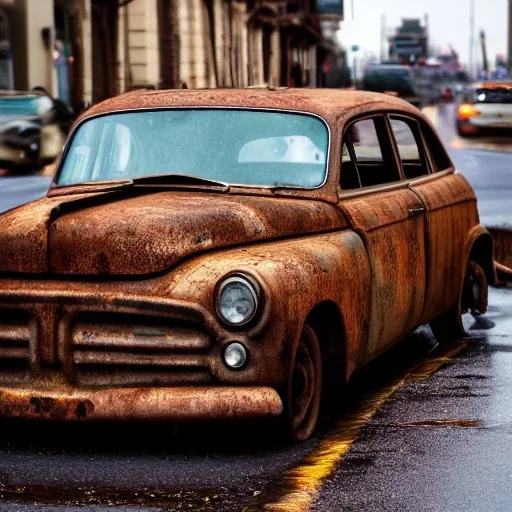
(493,84)
(330,104)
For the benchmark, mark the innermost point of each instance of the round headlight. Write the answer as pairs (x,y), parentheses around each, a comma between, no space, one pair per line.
(235,356)
(237,300)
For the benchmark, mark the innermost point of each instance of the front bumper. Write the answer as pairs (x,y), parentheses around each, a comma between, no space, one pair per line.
(172,404)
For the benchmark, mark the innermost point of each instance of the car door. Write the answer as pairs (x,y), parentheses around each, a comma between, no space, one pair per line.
(451,213)
(390,219)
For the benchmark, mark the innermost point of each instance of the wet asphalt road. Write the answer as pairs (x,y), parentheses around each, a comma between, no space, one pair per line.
(17,190)
(443,444)
(439,443)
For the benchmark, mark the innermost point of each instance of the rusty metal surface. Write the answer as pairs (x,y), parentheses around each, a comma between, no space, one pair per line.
(107,298)
(112,237)
(395,243)
(312,270)
(177,404)
(451,208)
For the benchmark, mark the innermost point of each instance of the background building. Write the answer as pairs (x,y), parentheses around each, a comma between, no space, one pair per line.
(87,50)
(409,43)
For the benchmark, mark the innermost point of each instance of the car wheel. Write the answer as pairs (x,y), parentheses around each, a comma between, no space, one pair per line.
(305,387)
(473,298)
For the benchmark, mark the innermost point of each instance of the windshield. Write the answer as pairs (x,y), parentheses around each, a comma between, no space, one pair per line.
(243,147)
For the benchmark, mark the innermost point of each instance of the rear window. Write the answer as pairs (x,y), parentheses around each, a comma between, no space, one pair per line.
(497,95)
(411,156)
(438,155)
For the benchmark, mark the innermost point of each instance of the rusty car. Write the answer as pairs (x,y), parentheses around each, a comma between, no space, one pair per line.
(232,254)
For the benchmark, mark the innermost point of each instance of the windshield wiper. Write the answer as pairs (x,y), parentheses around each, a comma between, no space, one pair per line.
(184,181)
(178,180)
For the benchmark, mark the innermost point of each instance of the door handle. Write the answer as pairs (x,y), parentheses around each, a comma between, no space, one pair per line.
(416,210)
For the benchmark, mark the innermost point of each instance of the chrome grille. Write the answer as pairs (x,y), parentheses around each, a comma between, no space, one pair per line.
(115,349)
(14,338)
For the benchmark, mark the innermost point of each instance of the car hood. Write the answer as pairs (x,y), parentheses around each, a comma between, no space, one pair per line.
(123,233)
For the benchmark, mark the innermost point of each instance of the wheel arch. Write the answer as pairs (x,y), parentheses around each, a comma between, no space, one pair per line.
(482,252)
(326,319)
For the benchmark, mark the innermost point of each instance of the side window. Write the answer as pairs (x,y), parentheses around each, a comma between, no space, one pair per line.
(367,157)
(413,159)
(438,155)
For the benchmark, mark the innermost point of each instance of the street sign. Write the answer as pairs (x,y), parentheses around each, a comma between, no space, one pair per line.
(330,7)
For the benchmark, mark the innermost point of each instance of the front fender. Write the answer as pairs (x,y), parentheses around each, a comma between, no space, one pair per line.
(296,275)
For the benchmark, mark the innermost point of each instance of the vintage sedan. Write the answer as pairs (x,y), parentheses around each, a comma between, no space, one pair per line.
(227,254)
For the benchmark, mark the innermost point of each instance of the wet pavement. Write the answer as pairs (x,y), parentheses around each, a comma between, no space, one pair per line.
(424,428)
(443,443)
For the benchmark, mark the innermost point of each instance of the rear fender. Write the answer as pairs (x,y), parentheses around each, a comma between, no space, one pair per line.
(480,248)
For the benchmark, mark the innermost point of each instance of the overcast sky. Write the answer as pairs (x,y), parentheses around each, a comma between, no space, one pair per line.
(448,23)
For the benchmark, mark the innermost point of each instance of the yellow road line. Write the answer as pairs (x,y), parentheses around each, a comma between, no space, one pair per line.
(299,486)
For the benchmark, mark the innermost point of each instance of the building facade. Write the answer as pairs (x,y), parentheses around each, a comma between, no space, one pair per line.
(87,50)
(410,42)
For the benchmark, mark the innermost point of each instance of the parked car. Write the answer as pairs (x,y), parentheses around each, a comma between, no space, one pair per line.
(412,84)
(33,128)
(227,254)
(485,106)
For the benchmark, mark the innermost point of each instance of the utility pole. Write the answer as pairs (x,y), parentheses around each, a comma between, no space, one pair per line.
(383,37)
(485,62)
(472,37)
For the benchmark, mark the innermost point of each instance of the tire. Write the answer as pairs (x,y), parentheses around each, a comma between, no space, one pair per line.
(473,298)
(467,131)
(304,392)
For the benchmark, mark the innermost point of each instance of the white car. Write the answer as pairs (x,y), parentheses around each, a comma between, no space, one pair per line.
(485,106)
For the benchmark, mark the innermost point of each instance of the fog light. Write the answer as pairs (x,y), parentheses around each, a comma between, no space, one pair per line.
(235,356)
